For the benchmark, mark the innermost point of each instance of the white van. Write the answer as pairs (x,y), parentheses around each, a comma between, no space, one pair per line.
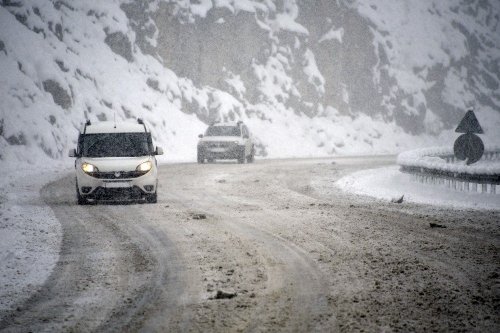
(115,162)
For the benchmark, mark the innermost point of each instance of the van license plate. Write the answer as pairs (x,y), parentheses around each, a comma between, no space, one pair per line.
(117,184)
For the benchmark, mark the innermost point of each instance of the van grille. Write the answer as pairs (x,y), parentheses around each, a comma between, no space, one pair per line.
(118,174)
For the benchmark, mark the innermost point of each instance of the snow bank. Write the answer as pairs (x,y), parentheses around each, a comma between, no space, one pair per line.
(389,183)
(433,158)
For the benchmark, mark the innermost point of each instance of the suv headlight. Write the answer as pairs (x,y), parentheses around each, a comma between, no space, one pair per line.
(144,167)
(89,168)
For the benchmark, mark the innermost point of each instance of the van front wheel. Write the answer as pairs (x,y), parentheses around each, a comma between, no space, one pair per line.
(79,198)
(152,198)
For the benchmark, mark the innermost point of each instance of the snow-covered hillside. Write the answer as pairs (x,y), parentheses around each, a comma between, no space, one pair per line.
(310,78)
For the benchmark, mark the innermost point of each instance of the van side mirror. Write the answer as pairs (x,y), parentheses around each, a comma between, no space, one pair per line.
(158,151)
(72,153)
(200,136)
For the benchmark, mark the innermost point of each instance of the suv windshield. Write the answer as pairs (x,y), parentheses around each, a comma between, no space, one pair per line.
(223,131)
(116,145)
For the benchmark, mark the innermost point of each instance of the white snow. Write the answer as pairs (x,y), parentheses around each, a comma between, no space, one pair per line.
(201,7)
(237,84)
(314,75)
(333,34)
(286,20)
(389,183)
(430,158)
(30,234)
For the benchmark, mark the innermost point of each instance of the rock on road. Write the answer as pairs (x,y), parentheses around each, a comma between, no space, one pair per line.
(270,246)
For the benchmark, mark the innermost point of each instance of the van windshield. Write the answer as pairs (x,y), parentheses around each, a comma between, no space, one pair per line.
(116,145)
(223,131)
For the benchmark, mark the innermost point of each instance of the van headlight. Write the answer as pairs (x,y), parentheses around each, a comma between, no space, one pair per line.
(89,168)
(144,167)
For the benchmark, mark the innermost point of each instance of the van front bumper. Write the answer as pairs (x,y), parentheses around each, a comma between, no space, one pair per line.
(102,186)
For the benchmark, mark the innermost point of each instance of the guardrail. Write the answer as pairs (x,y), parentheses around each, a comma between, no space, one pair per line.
(439,166)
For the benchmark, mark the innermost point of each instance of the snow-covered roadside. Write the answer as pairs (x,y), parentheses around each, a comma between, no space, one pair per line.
(389,183)
(30,234)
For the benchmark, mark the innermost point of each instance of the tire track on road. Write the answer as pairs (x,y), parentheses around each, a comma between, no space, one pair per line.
(295,289)
(115,272)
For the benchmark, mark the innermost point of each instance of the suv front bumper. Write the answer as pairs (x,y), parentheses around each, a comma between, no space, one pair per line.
(221,153)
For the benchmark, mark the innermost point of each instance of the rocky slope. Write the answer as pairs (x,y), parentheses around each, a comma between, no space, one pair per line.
(310,78)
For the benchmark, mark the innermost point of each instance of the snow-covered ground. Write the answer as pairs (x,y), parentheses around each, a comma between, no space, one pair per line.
(59,68)
(30,235)
(388,183)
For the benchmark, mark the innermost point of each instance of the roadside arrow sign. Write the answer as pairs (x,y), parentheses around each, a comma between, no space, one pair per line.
(469,124)
(469,146)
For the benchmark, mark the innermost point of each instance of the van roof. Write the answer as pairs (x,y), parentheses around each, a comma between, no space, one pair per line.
(112,127)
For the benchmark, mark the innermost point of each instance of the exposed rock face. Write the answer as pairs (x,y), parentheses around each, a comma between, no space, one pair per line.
(120,44)
(61,97)
(347,61)
(361,68)
(204,51)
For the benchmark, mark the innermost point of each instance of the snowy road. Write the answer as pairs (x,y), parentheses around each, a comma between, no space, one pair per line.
(266,247)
